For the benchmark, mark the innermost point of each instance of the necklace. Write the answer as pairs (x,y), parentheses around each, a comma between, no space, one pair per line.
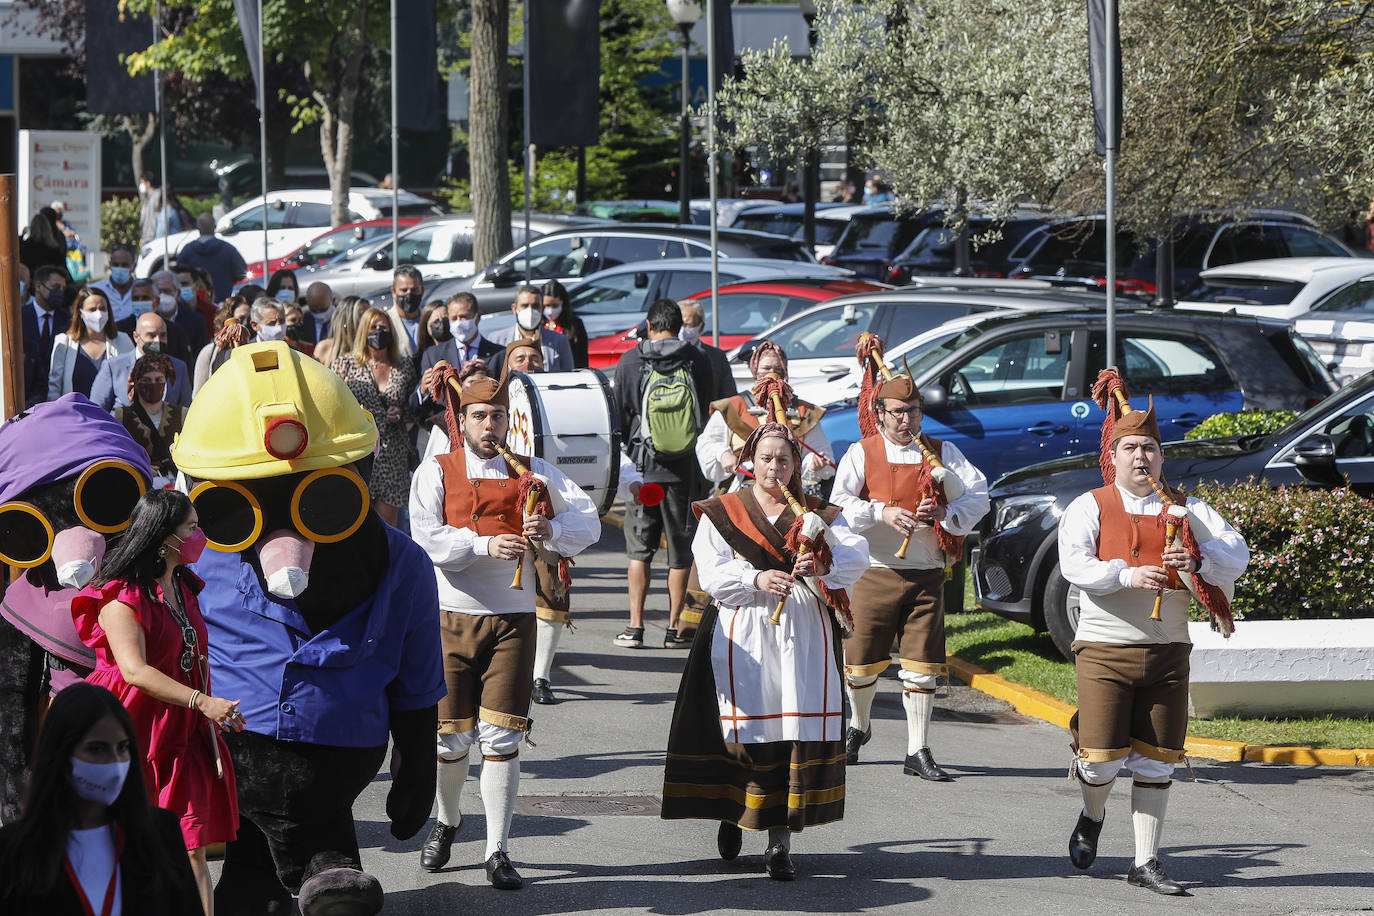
(190,656)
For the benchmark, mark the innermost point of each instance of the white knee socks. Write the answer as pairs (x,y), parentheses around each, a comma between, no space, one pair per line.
(1147,814)
(500,782)
(545,646)
(780,835)
(861,691)
(1095,798)
(452,775)
(919,707)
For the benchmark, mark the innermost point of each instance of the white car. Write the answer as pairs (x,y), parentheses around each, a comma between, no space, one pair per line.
(1277,287)
(294,218)
(1341,329)
(438,248)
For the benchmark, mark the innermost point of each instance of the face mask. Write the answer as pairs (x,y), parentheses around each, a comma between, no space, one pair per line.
(152,348)
(325,315)
(379,340)
(439,331)
(529,318)
(95,321)
(288,582)
(408,303)
(271,331)
(120,275)
(286,295)
(166,305)
(464,329)
(186,294)
(192,547)
(141,307)
(689,334)
(150,392)
(552,312)
(98,782)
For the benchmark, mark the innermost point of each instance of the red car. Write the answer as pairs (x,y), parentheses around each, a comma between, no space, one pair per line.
(326,245)
(747,310)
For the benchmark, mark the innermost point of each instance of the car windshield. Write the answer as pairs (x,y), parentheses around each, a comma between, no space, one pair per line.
(1224,290)
(411,209)
(781,250)
(872,233)
(927,355)
(776,223)
(746,313)
(1327,405)
(339,241)
(1357,297)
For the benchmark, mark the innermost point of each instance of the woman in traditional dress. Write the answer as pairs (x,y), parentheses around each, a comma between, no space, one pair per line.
(757,739)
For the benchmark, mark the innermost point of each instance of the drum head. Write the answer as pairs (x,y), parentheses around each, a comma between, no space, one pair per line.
(526,432)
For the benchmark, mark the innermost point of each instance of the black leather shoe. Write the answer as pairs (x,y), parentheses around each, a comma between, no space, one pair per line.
(502,874)
(922,764)
(434,854)
(853,740)
(729,839)
(1153,876)
(1083,841)
(778,861)
(543,693)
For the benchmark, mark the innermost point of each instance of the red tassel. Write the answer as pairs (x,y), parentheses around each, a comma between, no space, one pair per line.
(528,484)
(1212,598)
(868,389)
(443,393)
(837,598)
(564,576)
(1107,381)
(763,393)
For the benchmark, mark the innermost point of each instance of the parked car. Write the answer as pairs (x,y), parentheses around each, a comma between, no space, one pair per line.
(1074,250)
(875,236)
(611,300)
(1016,564)
(630,211)
(746,308)
(1340,328)
(327,246)
(244,176)
(932,254)
(293,219)
(1275,288)
(1016,387)
(786,219)
(571,254)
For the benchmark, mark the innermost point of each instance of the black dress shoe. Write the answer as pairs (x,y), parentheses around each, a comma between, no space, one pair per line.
(922,764)
(543,693)
(779,863)
(1083,841)
(1153,876)
(434,854)
(502,874)
(729,839)
(853,740)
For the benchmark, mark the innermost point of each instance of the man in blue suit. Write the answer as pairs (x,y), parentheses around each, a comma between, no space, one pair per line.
(111,387)
(466,342)
(45,316)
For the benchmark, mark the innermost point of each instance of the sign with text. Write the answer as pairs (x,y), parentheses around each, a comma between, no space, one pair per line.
(63,165)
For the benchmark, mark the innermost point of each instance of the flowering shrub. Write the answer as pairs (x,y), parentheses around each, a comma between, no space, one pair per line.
(1311,555)
(1243,423)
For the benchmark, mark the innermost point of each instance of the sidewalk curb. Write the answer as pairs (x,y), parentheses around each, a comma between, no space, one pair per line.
(1037,705)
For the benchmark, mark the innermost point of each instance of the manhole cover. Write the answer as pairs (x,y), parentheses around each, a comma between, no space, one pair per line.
(587,805)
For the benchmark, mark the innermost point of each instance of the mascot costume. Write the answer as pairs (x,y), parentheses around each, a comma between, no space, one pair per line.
(323,621)
(70,476)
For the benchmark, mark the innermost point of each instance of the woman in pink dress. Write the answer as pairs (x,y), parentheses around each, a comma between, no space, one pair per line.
(142,619)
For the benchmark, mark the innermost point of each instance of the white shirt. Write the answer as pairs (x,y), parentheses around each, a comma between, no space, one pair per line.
(472,581)
(121,304)
(866,515)
(1113,612)
(717,437)
(92,853)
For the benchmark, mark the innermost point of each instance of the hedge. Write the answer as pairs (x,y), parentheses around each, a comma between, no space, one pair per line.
(1243,423)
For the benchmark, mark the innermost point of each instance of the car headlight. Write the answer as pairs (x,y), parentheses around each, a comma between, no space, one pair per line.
(1015,511)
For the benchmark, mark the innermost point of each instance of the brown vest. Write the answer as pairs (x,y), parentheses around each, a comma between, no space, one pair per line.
(894,484)
(735,410)
(742,524)
(488,506)
(1137,539)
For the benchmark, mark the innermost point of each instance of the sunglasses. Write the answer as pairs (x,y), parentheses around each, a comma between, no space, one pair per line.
(104,499)
(326,506)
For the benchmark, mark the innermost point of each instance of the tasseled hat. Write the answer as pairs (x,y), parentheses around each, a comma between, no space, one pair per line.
(484,390)
(1122,420)
(520,343)
(767,347)
(780,431)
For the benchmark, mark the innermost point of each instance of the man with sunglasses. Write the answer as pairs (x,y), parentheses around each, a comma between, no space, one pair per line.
(468,513)
(881,484)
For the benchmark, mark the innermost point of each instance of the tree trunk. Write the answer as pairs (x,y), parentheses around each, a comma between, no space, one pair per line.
(141,129)
(962,255)
(488,127)
(336,123)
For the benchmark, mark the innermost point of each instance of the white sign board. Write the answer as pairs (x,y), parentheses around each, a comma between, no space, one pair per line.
(63,165)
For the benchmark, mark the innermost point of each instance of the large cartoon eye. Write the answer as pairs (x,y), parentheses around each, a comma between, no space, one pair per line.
(25,535)
(106,493)
(229,514)
(330,504)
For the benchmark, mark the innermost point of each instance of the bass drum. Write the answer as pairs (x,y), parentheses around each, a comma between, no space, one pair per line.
(570,420)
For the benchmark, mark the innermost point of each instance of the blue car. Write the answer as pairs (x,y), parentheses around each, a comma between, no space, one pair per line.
(1016,388)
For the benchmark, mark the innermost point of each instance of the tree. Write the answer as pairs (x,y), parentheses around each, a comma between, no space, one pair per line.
(489,129)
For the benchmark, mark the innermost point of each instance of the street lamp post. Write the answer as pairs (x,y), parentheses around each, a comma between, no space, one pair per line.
(811,167)
(685,13)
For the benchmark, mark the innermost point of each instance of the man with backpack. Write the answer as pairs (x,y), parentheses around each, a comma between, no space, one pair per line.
(661,388)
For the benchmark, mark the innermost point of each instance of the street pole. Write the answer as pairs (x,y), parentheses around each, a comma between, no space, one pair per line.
(811,167)
(529,147)
(395,149)
(684,210)
(711,166)
(262,137)
(11,316)
(162,145)
(1110,170)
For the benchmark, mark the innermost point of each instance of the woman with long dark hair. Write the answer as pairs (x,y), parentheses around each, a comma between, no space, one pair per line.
(558,316)
(282,286)
(142,619)
(87,834)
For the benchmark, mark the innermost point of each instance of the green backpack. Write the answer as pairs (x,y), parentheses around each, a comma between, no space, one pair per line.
(669,418)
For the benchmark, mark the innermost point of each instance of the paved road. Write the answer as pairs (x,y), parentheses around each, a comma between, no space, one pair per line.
(1245,838)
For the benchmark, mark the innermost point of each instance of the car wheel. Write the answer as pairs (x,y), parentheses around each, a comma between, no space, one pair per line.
(1061,611)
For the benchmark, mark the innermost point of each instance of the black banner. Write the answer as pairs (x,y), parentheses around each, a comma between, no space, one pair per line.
(109,87)
(724,41)
(563,65)
(247,13)
(1100,31)
(417,66)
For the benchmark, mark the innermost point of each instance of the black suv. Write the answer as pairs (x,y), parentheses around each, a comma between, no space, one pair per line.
(874,238)
(931,253)
(1016,564)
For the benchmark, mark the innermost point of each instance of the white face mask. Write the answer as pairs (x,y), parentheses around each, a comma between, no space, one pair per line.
(271,332)
(553,311)
(288,582)
(166,304)
(529,318)
(95,321)
(465,329)
(689,334)
(325,315)
(98,782)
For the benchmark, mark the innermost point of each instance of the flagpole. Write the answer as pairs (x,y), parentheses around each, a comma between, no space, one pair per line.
(162,146)
(395,149)
(529,150)
(1110,173)
(711,165)
(262,138)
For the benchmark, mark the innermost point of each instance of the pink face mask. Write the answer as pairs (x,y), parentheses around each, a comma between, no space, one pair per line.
(192,547)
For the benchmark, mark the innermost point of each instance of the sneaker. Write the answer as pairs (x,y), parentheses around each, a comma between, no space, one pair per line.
(672,639)
(631,638)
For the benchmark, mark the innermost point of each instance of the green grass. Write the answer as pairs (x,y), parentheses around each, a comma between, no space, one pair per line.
(1022,656)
